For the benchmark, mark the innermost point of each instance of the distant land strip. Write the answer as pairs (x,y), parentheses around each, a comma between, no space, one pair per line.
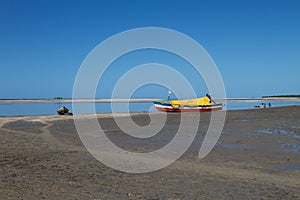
(263,99)
(142,100)
(282,96)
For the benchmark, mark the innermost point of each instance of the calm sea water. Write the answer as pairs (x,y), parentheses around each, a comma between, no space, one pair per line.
(29,109)
(250,105)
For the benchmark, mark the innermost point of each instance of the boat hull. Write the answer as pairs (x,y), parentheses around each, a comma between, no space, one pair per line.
(169,108)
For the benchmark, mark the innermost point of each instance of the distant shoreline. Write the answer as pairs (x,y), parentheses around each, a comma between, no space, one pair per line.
(270,99)
(284,96)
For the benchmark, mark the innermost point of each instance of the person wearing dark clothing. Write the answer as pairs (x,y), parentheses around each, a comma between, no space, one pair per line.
(209,97)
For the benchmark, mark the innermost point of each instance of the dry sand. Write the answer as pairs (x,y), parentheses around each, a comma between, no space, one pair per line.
(257,157)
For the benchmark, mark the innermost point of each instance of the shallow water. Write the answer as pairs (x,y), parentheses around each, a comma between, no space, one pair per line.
(249,105)
(49,108)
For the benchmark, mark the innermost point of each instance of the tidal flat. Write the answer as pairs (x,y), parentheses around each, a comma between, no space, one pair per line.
(256,157)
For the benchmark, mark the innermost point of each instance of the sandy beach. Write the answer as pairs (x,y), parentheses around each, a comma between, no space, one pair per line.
(256,157)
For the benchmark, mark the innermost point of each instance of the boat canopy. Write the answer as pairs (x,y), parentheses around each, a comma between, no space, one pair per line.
(204,101)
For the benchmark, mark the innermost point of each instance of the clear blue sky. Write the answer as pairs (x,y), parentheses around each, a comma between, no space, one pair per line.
(255,44)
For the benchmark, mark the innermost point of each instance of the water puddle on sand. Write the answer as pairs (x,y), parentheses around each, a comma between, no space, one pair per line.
(287,167)
(295,127)
(236,145)
(289,144)
(291,147)
(288,133)
(25,126)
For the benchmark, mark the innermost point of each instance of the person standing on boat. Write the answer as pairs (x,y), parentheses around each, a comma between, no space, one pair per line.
(169,94)
(209,97)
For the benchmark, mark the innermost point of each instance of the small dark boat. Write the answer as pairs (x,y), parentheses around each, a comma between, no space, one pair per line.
(64,111)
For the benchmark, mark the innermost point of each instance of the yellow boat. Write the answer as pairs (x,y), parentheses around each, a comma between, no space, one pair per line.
(203,104)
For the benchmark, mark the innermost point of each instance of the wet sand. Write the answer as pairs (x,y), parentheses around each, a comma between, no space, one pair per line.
(257,157)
